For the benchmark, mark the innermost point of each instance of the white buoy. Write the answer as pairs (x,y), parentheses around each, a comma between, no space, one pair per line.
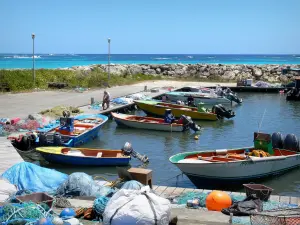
(57,221)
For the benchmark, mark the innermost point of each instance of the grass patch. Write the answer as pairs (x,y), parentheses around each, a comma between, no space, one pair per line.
(22,80)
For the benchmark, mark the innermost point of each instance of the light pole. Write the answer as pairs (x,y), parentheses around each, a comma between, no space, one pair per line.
(33,70)
(108,69)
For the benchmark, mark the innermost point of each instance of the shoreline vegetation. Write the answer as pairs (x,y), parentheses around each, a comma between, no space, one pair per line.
(96,75)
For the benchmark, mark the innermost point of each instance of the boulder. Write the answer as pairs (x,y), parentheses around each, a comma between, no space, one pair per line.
(283,79)
(135,69)
(229,75)
(257,72)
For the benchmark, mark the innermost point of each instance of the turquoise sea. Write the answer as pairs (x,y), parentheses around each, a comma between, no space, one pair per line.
(9,61)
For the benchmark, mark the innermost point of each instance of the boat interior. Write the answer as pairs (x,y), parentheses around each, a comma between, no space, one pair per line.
(71,127)
(148,120)
(95,153)
(233,155)
(262,148)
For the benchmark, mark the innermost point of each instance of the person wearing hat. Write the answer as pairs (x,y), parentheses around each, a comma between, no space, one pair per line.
(169,118)
(106,100)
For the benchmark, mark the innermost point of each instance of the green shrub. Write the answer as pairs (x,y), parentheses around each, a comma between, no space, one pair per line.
(21,80)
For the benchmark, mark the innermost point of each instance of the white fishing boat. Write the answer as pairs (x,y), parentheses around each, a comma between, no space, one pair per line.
(198,97)
(266,158)
(150,123)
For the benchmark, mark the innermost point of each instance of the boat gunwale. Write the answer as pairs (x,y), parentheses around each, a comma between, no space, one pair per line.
(104,118)
(40,150)
(263,159)
(165,124)
(197,112)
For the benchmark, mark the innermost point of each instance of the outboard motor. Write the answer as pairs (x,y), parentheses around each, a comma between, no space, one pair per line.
(291,142)
(57,140)
(24,144)
(233,98)
(222,112)
(189,123)
(43,139)
(128,150)
(277,140)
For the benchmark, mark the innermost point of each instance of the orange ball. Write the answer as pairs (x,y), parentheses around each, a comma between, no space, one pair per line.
(218,200)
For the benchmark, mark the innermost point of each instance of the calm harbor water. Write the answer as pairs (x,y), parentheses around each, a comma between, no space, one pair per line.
(273,110)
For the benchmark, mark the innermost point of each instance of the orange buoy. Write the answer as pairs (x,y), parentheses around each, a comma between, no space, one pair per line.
(218,200)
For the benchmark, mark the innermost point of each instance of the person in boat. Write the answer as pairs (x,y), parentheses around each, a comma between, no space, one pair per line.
(169,118)
(164,98)
(190,101)
(106,100)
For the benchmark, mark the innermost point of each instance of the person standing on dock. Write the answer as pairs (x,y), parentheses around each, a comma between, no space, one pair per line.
(106,100)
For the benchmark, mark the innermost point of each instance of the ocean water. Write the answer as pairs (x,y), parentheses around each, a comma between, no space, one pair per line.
(9,61)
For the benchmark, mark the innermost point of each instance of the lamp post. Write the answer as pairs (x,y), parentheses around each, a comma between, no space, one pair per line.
(108,69)
(33,70)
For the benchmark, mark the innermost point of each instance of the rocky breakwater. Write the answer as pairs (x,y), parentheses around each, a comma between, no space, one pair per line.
(270,73)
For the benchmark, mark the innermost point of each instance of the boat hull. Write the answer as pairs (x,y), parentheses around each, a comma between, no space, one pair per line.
(160,111)
(148,126)
(32,156)
(198,99)
(75,141)
(238,171)
(84,161)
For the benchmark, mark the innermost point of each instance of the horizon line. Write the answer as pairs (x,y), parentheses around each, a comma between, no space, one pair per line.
(154,53)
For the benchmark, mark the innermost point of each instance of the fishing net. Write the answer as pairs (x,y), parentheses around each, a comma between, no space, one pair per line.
(57,111)
(201,196)
(182,200)
(29,211)
(279,216)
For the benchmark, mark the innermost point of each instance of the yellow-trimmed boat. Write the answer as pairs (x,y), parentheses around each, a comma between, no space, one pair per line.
(84,156)
(158,109)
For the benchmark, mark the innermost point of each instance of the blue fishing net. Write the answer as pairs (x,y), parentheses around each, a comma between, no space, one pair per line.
(81,184)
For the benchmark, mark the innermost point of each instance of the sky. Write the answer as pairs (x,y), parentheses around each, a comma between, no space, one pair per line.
(151,26)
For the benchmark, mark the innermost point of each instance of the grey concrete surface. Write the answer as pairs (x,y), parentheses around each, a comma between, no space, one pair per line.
(22,104)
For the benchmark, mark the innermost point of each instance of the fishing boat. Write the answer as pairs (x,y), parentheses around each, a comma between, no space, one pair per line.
(269,156)
(73,132)
(84,156)
(200,113)
(150,123)
(209,99)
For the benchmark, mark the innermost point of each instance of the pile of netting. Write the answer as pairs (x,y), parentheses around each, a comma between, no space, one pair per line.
(57,111)
(182,200)
(32,122)
(27,213)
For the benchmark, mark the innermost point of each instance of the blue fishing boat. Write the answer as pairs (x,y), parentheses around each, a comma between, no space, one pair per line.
(84,156)
(74,131)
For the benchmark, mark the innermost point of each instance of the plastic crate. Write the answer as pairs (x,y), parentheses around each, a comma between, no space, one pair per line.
(261,191)
(36,198)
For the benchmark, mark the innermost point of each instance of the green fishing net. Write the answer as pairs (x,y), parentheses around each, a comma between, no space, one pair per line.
(28,210)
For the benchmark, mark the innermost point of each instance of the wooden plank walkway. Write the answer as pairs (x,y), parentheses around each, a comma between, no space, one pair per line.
(8,155)
(166,192)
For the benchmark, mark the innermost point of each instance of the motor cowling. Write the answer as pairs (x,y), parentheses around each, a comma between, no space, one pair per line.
(57,141)
(43,139)
(291,142)
(189,123)
(222,112)
(277,140)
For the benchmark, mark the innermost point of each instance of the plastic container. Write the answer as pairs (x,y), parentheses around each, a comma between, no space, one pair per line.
(37,198)
(261,191)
